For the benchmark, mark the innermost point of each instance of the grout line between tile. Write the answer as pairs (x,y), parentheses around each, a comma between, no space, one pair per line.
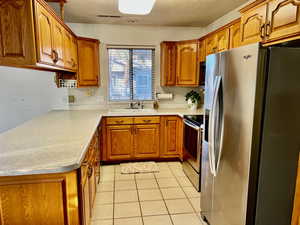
(141,213)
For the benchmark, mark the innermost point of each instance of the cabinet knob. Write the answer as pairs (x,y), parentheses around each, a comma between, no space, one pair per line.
(54,56)
(268,29)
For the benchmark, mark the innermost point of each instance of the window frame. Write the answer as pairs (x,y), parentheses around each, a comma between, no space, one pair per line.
(131,48)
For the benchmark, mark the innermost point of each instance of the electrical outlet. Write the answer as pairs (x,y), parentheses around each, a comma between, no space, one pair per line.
(71,98)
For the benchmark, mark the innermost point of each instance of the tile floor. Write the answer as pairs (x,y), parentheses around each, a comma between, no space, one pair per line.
(164,198)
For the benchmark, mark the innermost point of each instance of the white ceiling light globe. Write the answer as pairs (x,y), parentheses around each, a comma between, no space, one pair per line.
(137,7)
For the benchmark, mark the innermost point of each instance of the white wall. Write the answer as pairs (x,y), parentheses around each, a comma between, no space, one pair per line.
(25,94)
(129,35)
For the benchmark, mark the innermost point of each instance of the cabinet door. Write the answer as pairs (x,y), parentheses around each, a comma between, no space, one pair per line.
(146,141)
(58,43)
(86,203)
(201,51)
(44,35)
(119,142)
(168,64)
(74,53)
(92,185)
(68,50)
(223,40)
(211,44)
(171,137)
(253,24)
(283,19)
(88,59)
(17,38)
(187,64)
(235,35)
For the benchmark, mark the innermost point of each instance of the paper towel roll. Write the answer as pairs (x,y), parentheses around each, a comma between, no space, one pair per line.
(167,96)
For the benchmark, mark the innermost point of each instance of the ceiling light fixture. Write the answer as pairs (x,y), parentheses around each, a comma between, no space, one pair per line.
(137,7)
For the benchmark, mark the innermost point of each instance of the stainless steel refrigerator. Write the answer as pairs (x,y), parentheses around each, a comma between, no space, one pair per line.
(251,138)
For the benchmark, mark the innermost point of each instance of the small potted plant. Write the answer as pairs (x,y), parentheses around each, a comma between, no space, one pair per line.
(192,99)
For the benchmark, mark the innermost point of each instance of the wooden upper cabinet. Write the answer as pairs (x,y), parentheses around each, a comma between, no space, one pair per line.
(146,141)
(44,36)
(201,51)
(16,33)
(235,35)
(187,63)
(119,142)
(58,44)
(74,53)
(171,137)
(88,62)
(283,19)
(168,63)
(253,23)
(33,36)
(211,44)
(68,50)
(222,37)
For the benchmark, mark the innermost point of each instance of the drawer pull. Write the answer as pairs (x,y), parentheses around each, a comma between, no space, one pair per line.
(119,121)
(147,121)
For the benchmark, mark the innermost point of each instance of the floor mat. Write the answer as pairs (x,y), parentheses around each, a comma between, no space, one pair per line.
(139,167)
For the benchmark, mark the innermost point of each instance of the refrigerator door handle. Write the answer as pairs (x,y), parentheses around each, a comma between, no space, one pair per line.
(218,139)
(214,118)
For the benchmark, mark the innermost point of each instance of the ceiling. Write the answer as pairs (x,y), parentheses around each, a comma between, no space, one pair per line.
(164,13)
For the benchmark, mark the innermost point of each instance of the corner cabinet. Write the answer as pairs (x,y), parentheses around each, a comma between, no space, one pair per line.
(187,73)
(32,36)
(88,58)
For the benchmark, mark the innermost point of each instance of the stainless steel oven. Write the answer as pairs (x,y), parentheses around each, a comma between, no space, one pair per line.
(192,146)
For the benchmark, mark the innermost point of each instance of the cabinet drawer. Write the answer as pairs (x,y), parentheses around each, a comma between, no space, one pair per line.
(146,119)
(119,120)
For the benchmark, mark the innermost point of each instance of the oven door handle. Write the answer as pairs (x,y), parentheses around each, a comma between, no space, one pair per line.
(186,122)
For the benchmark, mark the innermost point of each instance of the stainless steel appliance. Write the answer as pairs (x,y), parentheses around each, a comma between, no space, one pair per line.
(193,144)
(251,144)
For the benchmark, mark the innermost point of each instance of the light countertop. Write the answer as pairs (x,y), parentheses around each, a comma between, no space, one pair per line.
(57,141)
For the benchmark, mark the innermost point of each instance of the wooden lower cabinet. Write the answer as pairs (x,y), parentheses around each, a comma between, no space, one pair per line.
(171,137)
(146,141)
(150,137)
(86,206)
(39,199)
(119,142)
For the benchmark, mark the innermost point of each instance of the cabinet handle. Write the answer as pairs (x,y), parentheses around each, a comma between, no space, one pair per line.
(262,31)
(119,121)
(147,121)
(55,56)
(268,29)
(90,171)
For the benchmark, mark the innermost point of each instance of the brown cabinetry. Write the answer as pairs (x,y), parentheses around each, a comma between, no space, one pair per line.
(88,58)
(35,38)
(142,137)
(211,44)
(235,35)
(171,137)
(270,21)
(253,23)
(168,63)
(119,142)
(187,63)
(88,180)
(222,37)
(201,51)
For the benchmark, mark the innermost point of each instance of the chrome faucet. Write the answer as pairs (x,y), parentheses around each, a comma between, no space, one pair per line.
(136,105)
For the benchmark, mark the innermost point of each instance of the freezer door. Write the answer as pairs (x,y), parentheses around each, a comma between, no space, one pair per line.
(230,185)
(280,139)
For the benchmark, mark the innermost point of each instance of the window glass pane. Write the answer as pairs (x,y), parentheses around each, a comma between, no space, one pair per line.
(119,76)
(142,74)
